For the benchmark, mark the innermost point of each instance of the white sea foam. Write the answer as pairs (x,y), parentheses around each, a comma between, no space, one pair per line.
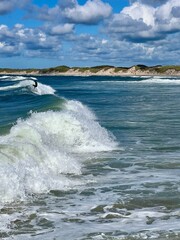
(148,80)
(4,77)
(143,76)
(80,109)
(38,150)
(161,80)
(16,78)
(41,89)
(18,85)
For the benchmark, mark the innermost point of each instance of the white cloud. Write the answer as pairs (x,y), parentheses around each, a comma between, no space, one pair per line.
(141,22)
(176,11)
(2,44)
(7,6)
(104,41)
(142,12)
(62,29)
(70,11)
(5,32)
(21,40)
(154,3)
(166,21)
(7,50)
(131,36)
(67,3)
(91,12)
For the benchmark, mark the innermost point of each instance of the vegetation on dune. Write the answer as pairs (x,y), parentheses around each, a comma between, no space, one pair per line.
(82,70)
(163,69)
(8,70)
(100,68)
(11,70)
(140,67)
(159,69)
(93,70)
(61,69)
(120,69)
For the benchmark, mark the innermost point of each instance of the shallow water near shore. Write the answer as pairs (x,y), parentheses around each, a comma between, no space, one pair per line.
(90,158)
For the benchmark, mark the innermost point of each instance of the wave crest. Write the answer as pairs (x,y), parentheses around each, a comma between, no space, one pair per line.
(38,151)
(41,89)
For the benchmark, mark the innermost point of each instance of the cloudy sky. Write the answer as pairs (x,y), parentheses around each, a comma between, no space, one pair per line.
(39,33)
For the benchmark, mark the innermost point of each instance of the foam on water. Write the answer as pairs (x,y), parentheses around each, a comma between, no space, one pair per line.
(16,78)
(147,80)
(41,89)
(161,80)
(38,150)
(4,77)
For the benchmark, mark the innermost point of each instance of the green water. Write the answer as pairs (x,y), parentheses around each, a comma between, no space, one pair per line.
(90,158)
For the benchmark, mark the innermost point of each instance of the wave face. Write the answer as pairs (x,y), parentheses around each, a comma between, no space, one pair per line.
(41,89)
(39,151)
(62,172)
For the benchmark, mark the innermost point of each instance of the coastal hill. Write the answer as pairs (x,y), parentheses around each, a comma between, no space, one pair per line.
(104,70)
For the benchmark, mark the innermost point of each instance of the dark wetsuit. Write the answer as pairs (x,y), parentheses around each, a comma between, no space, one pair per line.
(35,83)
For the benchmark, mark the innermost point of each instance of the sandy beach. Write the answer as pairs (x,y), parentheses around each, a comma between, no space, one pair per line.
(97,71)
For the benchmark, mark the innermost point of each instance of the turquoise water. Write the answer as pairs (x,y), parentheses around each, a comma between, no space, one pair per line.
(89,158)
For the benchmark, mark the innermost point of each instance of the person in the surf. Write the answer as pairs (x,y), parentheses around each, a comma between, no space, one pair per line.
(35,84)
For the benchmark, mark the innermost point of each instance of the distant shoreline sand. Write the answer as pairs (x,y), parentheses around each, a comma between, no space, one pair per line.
(139,70)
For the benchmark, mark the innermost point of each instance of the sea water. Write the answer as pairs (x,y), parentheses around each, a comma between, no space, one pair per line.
(89,158)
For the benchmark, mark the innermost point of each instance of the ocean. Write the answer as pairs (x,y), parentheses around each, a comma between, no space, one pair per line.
(89,158)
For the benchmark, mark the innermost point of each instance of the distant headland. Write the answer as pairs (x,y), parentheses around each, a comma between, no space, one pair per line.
(104,70)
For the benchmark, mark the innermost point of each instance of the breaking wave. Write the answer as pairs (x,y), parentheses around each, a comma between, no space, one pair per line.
(161,80)
(41,89)
(39,151)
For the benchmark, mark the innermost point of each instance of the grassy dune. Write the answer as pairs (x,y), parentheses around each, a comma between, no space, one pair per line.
(104,69)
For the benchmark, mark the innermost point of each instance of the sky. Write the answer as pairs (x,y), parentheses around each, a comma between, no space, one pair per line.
(40,34)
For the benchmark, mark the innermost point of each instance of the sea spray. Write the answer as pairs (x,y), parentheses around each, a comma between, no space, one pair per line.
(38,151)
(130,194)
(16,78)
(41,89)
(93,137)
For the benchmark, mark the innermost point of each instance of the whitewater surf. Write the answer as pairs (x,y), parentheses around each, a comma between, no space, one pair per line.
(41,89)
(87,158)
(40,148)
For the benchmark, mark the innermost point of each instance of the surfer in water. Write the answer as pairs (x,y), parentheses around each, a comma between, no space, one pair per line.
(35,84)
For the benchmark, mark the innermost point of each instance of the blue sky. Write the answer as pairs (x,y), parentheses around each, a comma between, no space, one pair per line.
(39,33)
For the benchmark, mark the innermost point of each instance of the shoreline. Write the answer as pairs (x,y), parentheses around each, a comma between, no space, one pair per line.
(173,71)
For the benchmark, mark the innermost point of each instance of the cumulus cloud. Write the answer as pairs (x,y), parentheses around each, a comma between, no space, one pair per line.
(63,4)
(146,31)
(150,2)
(7,6)
(45,13)
(123,26)
(143,21)
(140,11)
(176,12)
(8,50)
(166,21)
(34,39)
(5,32)
(60,29)
(20,40)
(91,12)
(116,52)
